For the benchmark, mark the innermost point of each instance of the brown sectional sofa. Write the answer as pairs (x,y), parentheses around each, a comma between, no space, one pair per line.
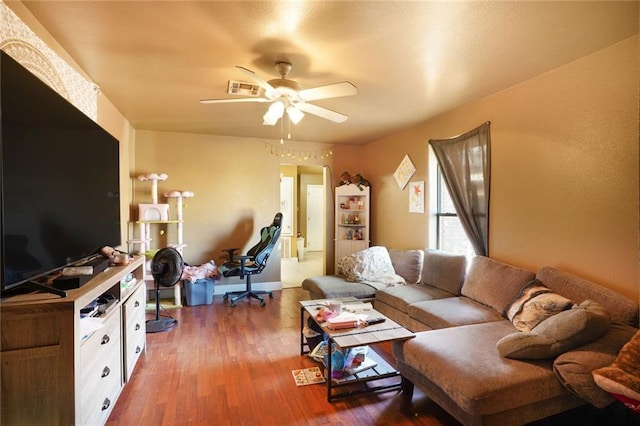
(458,321)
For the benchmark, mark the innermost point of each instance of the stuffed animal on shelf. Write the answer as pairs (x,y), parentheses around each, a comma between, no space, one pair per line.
(359,181)
(345,178)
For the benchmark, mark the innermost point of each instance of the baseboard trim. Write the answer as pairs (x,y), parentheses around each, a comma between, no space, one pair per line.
(265,286)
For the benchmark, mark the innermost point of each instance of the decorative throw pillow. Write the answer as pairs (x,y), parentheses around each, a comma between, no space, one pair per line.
(346,266)
(559,333)
(622,378)
(534,304)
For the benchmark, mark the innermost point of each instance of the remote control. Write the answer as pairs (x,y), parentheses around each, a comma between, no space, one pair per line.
(375,321)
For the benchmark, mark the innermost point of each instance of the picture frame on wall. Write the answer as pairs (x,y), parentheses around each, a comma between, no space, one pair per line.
(403,173)
(416,197)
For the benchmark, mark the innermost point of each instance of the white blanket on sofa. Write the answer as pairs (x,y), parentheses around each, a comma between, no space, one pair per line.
(371,266)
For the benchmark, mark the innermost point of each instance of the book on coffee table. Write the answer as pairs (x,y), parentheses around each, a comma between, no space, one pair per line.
(346,320)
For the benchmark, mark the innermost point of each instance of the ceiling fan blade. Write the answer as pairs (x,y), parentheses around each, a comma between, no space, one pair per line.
(322,112)
(269,91)
(329,91)
(230,100)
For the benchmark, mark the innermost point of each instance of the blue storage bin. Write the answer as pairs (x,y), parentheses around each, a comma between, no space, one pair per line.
(199,292)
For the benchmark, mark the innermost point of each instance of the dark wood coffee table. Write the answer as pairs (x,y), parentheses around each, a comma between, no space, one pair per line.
(358,383)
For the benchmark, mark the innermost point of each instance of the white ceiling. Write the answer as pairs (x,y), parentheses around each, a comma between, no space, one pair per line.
(409,60)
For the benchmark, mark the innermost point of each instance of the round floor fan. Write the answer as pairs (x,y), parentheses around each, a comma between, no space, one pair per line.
(166,268)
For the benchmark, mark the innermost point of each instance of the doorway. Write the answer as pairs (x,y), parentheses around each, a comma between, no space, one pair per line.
(308,226)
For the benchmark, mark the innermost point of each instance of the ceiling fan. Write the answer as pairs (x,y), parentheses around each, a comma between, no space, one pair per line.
(288,96)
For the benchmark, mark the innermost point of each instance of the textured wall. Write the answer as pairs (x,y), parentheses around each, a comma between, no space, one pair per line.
(564,186)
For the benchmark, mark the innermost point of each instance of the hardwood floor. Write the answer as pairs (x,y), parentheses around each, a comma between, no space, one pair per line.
(228,366)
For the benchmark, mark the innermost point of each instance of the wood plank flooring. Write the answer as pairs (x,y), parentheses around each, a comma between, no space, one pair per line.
(232,366)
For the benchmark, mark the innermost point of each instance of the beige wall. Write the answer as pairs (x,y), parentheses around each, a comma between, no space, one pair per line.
(564,189)
(236,182)
(111,119)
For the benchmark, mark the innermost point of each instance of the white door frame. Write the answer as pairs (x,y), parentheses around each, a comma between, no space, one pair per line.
(286,204)
(314,207)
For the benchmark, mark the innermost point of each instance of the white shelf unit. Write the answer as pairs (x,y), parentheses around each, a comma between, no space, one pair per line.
(352,220)
(155,214)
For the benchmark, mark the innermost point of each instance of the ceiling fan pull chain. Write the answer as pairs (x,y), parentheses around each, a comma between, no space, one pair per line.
(282,131)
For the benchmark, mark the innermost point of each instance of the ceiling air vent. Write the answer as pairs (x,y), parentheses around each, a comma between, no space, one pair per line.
(243,88)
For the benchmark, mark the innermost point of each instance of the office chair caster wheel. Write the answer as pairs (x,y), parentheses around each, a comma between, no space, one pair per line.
(270,295)
(225,297)
(263,303)
(233,304)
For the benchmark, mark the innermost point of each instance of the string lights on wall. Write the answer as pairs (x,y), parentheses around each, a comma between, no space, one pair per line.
(297,154)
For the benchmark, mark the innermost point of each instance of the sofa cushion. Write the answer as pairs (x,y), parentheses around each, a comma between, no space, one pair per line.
(621,309)
(407,264)
(494,283)
(573,368)
(559,333)
(334,286)
(451,312)
(401,297)
(534,304)
(464,362)
(443,270)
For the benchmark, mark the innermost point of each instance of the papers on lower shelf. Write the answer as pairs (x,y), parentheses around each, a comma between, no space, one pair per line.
(308,376)
(364,365)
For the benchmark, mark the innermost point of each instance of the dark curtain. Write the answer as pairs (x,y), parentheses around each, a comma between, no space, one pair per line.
(465,163)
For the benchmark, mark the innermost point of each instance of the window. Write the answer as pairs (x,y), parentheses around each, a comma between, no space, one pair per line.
(450,234)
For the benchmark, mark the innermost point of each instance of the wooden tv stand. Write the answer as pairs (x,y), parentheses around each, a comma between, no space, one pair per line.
(51,373)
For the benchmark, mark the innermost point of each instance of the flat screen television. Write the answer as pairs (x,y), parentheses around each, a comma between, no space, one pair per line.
(60,200)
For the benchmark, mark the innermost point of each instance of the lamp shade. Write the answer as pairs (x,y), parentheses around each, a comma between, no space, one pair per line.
(295,115)
(274,113)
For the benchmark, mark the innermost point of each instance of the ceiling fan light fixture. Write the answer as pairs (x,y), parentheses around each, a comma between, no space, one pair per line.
(295,115)
(273,114)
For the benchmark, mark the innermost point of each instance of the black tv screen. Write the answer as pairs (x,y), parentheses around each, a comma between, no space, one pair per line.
(60,179)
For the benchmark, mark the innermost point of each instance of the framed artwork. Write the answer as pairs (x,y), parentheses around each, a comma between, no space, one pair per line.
(416,197)
(404,172)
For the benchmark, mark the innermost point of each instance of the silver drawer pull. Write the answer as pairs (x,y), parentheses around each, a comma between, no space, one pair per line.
(137,327)
(138,349)
(106,371)
(106,404)
(135,305)
(105,339)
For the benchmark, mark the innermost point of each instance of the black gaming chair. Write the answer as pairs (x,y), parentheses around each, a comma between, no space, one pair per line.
(253,262)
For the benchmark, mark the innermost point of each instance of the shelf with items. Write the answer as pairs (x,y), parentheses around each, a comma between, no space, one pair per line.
(352,219)
(153,216)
